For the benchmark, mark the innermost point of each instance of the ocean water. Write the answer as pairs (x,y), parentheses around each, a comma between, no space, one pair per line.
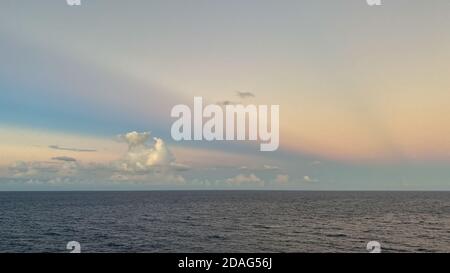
(224,221)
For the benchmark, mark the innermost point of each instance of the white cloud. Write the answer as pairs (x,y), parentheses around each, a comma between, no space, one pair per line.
(245,180)
(265,167)
(144,162)
(142,157)
(271,168)
(153,178)
(44,172)
(307,178)
(134,139)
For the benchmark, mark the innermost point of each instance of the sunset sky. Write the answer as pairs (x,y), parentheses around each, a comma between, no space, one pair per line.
(364,93)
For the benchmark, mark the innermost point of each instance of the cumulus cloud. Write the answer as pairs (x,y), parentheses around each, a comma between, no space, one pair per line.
(146,161)
(135,139)
(23,169)
(244,95)
(56,147)
(142,157)
(144,178)
(245,180)
(44,171)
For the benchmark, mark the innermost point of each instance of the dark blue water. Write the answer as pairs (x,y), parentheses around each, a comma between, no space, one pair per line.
(224,221)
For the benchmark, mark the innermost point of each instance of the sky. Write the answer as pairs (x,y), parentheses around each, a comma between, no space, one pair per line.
(86,93)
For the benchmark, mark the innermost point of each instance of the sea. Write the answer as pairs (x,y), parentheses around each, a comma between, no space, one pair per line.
(224,221)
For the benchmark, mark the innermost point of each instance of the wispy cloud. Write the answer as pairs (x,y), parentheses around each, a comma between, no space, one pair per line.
(56,147)
(64,158)
(245,95)
(241,95)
